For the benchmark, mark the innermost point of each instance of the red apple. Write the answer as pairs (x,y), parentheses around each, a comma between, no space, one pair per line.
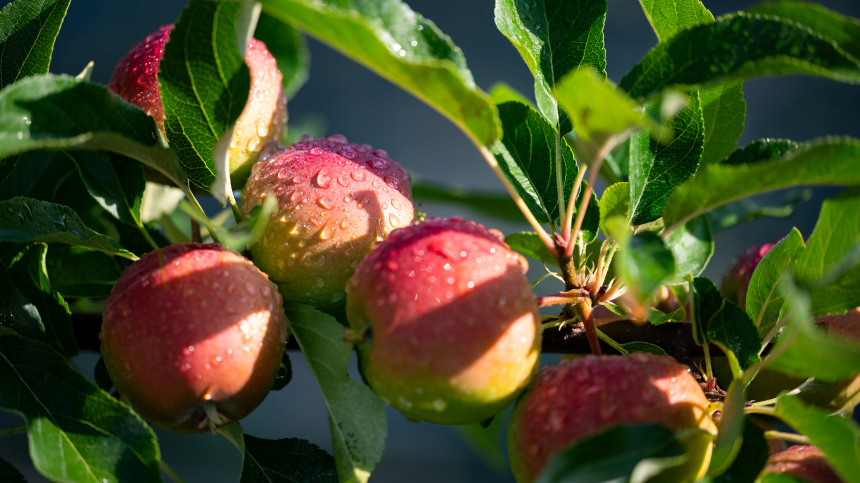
(193,336)
(451,326)
(737,281)
(335,201)
(804,462)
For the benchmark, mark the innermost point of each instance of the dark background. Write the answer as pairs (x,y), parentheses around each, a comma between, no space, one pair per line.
(356,103)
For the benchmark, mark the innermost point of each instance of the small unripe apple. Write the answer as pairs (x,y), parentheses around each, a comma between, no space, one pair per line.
(804,462)
(335,201)
(261,122)
(192,336)
(737,281)
(581,397)
(450,323)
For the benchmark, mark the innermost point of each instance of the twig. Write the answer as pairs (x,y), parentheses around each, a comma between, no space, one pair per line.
(773,331)
(568,214)
(792,437)
(13,430)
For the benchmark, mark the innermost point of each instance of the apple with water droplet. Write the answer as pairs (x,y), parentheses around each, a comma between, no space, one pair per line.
(450,326)
(336,199)
(581,397)
(807,463)
(193,336)
(258,128)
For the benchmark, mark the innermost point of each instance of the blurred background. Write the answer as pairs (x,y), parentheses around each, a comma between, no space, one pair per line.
(343,97)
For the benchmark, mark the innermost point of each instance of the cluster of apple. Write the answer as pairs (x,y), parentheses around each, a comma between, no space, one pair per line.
(193,335)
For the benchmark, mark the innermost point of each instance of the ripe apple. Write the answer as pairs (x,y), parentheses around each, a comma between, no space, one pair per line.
(192,336)
(450,323)
(335,201)
(804,462)
(581,397)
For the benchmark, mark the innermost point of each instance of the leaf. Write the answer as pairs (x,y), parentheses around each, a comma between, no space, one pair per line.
(737,47)
(555,38)
(9,474)
(356,418)
(289,48)
(76,431)
(16,312)
(26,220)
(499,206)
(764,299)
(616,454)
(645,347)
(729,438)
(745,211)
(79,272)
(656,317)
(529,243)
(28,29)
(724,111)
(238,237)
(645,261)
(114,181)
(751,458)
(844,31)
(614,204)
(502,92)
(290,460)
(828,161)
(61,112)
(405,48)
(692,246)
(761,150)
(204,84)
(668,17)
(837,437)
(829,266)
(616,167)
(29,274)
(656,168)
(721,322)
(101,376)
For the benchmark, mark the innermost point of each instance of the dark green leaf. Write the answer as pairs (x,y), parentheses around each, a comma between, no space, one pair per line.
(838,438)
(844,31)
(502,92)
(614,204)
(764,299)
(668,17)
(761,150)
(657,317)
(724,111)
(751,458)
(657,168)
(101,375)
(76,432)
(7,165)
(9,474)
(356,418)
(16,312)
(779,478)
(729,438)
(615,454)
(496,205)
(285,373)
(829,267)
(38,175)
(28,29)
(25,220)
(829,161)
(289,460)
(289,48)
(79,272)
(616,167)
(645,262)
(720,321)
(114,181)
(405,48)
(204,84)
(554,37)
(692,246)
(529,243)
(745,211)
(643,347)
(61,112)
(28,272)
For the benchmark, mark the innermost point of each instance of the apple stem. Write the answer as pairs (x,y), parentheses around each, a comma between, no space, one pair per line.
(196,237)
(213,419)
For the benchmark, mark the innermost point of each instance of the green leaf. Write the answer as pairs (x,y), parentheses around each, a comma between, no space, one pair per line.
(737,47)
(721,322)
(499,206)
(645,261)
(26,220)
(779,478)
(692,246)
(837,437)
(764,299)
(645,347)
(668,17)
(289,48)
(9,474)
(844,31)
(101,375)
(61,112)
(616,167)
(614,205)
(204,84)
(729,438)
(114,181)
(745,210)
(657,317)
(80,272)
(356,418)
(30,275)
(405,48)
(527,153)
(28,29)
(502,92)
(761,150)
(724,111)
(16,312)
(529,243)
(554,37)
(829,161)
(76,431)
(751,458)
(290,460)
(829,265)
(657,168)
(616,454)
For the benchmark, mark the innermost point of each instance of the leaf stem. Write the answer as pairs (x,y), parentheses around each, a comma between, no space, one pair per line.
(792,437)
(147,236)
(13,430)
(608,340)
(571,204)
(773,331)
(193,200)
(169,471)
(767,411)
(586,196)
(237,213)
(559,184)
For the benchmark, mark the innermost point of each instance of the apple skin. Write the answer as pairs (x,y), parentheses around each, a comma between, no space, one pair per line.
(736,282)
(451,325)
(261,123)
(581,397)
(189,329)
(805,462)
(335,201)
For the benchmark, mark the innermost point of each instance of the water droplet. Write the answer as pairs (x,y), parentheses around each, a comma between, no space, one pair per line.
(396,204)
(253,143)
(358,175)
(327,231)
(439,405)
(392,182)
(306,138)
(338,138)
(315,151)
(347,152)
(324,202)
(395,222)
(377,163)
(344,223)
(342,181)
(323,180)
(380,153)
(283,173)
(262,128)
